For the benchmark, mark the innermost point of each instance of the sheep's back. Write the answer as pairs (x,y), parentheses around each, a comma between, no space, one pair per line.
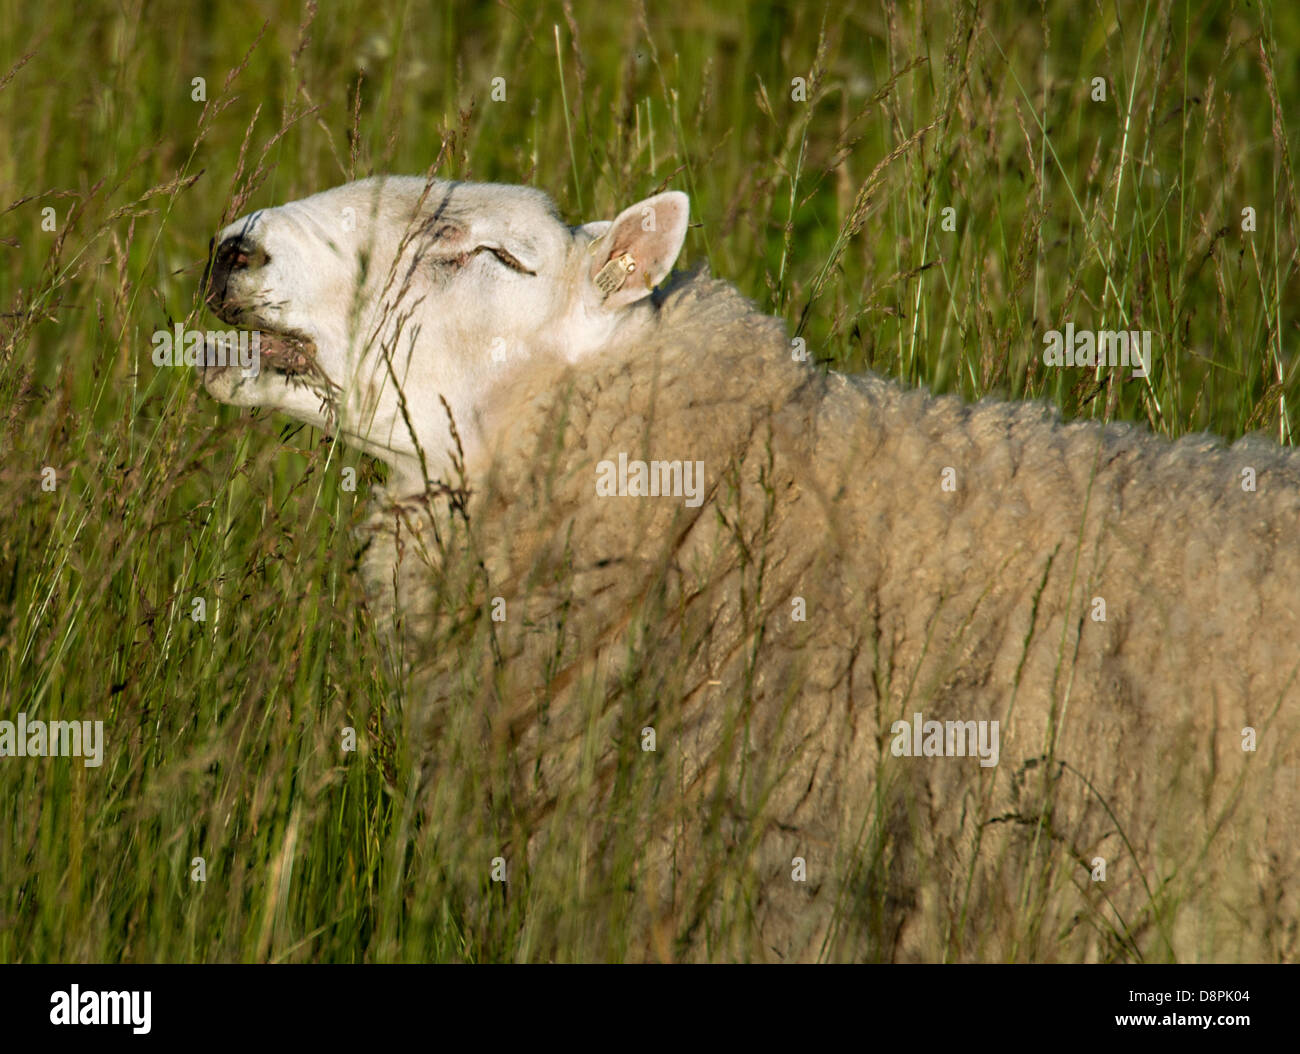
(838,578)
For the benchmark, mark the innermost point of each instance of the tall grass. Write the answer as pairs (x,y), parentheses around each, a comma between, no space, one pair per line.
(224,734)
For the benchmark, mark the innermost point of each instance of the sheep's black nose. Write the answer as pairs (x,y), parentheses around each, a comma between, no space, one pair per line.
(235,254)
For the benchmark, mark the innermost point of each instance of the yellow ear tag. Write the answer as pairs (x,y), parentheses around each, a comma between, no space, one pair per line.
(614,274)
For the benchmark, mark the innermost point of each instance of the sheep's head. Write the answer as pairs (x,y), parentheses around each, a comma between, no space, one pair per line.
(378,300)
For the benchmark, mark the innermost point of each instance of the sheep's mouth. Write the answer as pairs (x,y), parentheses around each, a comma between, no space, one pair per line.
(283,352)
(286,352)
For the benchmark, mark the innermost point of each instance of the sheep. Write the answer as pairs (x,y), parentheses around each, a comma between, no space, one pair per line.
(872,674)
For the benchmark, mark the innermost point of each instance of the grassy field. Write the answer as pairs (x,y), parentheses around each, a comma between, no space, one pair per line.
(821,148)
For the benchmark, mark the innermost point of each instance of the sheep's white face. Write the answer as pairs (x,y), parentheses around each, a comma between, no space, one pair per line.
(378,300)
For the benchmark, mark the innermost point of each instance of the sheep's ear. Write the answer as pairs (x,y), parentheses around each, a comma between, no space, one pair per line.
(638,249)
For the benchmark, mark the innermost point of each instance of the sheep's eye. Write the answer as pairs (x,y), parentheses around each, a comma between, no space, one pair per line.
(506,258)
(459,260)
